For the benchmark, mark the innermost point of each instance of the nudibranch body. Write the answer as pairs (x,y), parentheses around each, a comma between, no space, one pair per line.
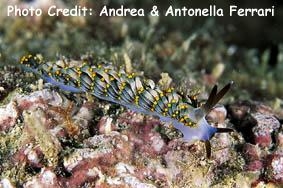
(129,90)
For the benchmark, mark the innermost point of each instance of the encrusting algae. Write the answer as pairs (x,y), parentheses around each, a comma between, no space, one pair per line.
(48,143)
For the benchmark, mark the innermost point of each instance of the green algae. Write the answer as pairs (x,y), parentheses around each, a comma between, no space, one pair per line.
(13,141)
(49,144)
(10,143)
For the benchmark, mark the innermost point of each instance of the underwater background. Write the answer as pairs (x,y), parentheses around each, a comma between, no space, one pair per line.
(53,138)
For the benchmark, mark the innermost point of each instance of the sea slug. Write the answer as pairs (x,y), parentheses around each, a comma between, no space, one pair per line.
(107,83)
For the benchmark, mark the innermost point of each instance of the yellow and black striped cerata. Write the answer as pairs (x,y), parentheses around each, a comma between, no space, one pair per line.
(110,84)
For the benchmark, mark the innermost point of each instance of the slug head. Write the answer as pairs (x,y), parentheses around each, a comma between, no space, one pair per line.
(204,131)
(212,100)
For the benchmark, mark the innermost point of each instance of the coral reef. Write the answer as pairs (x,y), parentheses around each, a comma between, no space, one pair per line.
(261,131)
(51,138)
(130,149)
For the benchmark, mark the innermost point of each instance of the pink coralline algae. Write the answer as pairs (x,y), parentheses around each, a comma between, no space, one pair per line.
(46,178)
(262,129)
(142,133)
(266,126)
(127,149)
(253,157)
(275,168)
(8,116)
(94,161)
(11,112)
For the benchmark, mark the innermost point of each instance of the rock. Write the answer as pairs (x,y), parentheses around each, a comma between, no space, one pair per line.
(265,127)
(275,168)
(218,114)
(5,183)
(8,116)
(46,178)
